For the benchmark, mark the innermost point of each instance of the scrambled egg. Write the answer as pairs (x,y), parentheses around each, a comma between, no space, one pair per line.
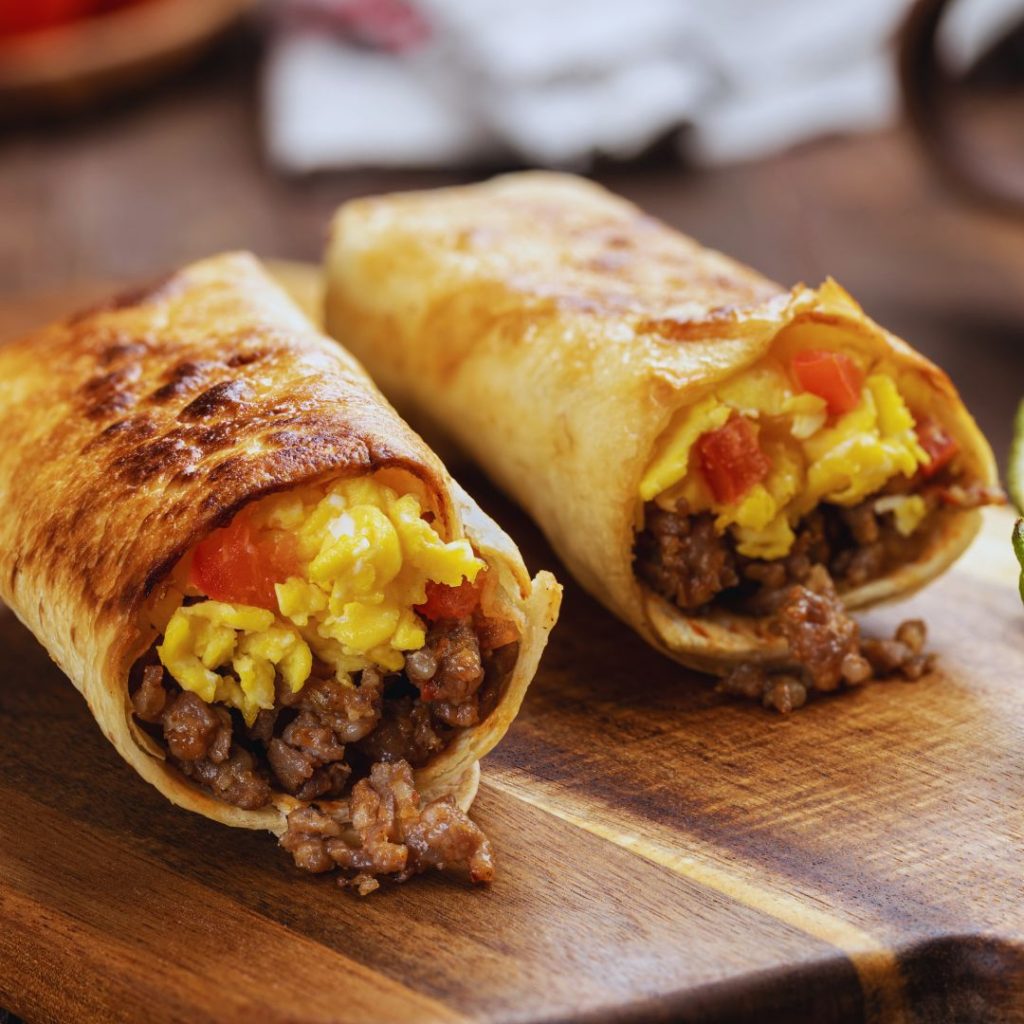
(812,460)
(364,554)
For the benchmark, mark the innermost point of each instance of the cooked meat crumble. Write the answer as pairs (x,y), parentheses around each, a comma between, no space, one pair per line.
(821,636)
(685,560)
(235,781)
(198,737)
(407,732)
(682,558)
(347,750)
(826,645)
(149,699)
(390,833)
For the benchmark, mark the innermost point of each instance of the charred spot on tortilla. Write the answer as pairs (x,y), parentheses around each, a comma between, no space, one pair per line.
(227,396)
(119,350)
(721,323)
(248,358)
(234,465)
(210,437)
(184,378)
(110,393)
(140,426)
(161,456)
(111,404)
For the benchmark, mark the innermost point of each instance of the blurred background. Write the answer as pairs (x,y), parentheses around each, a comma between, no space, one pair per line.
(881,142)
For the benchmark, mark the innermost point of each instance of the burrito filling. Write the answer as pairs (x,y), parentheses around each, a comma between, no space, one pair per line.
(323,644)
(802,478)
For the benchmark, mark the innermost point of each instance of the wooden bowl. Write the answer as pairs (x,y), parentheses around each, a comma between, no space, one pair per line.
(75,64)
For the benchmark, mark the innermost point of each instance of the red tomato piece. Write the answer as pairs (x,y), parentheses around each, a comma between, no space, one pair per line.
(732,460)
(445,602)
(938,444)
(232,565)
(829,375)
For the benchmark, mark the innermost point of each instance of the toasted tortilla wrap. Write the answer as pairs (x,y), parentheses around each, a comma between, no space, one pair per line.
(134,429)
(562,338)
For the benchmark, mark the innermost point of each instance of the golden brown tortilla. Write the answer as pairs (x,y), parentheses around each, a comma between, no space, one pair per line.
(554,331)
(131,430)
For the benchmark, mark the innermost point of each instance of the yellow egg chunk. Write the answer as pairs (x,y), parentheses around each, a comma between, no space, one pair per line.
(812,459)
(214,635)
(907,511)
(364,557)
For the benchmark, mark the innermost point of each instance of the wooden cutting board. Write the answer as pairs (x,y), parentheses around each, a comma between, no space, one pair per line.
(665,854)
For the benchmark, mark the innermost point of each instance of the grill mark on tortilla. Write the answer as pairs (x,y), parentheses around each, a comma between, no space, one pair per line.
(246,358)
(718,323)
(222,397)
(138,427)
(155,457)
(122,350)
(184,378)
(111,392)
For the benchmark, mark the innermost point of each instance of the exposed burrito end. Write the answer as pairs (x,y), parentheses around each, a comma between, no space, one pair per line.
(730,466)
(280,608)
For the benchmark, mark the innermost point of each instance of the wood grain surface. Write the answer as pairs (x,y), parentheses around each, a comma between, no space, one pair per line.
(665,854)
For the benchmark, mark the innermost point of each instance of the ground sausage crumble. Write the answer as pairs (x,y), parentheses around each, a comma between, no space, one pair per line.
(682,558)
(347,751)
(383,830)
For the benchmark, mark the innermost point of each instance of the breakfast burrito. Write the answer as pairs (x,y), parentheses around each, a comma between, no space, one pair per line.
(728,466)
(281,610)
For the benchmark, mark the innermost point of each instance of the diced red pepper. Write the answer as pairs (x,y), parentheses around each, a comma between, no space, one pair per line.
(938,444)
(445,602)
(829,375)
(232,565)
(732,460)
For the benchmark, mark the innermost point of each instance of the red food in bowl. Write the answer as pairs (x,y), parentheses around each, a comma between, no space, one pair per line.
(18,17)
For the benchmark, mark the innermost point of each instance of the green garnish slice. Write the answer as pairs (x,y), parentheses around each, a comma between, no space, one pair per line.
(1018,550)
(1015,469)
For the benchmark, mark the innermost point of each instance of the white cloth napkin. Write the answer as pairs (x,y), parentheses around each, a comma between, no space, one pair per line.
(349,83)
